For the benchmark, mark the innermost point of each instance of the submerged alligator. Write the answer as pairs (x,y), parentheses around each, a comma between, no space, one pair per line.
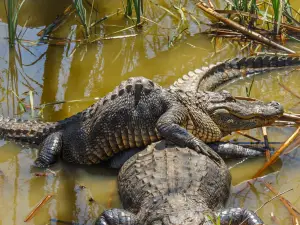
(167,185)
(139,112)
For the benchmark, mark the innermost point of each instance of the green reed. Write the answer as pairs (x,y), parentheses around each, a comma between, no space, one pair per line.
(81,12)
(138,7)
(274,10)
(12,12)
(279,8)
(244,5)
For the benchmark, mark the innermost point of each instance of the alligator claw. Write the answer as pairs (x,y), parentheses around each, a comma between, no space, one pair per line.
(206,150)
(40,164)
(116,216)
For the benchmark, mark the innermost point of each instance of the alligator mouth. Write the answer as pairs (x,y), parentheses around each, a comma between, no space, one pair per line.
(251,114)
(257,116)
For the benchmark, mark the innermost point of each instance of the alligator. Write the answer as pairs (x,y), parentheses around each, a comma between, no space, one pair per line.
(216,75)
(139,112)
(169,185)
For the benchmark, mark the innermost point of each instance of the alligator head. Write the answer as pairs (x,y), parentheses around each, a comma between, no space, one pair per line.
(232,114)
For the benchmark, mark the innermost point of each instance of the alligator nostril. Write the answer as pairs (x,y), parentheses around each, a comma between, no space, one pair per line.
(276,105)
(273,103)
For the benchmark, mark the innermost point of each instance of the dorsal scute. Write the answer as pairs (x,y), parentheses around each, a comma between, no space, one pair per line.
(262,61)
(133,85)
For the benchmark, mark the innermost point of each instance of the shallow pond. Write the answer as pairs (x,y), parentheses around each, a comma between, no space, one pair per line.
(58,73)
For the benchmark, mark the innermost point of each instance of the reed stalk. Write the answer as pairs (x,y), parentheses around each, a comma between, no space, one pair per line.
(12,8)
(81,12)
(138,7)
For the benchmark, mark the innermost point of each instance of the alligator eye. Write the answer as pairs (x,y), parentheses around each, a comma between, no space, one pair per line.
(230,99)
(228,96)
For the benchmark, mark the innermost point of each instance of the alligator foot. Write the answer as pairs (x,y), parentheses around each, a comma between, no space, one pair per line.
(229,150)
(236,216)
(50,150)
(116,216)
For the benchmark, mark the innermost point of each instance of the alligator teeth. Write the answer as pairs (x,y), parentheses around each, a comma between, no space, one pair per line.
(180,81)
(198,71)
(185,77)
(191,74)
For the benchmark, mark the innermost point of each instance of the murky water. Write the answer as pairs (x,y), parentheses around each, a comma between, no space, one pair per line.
(56,73)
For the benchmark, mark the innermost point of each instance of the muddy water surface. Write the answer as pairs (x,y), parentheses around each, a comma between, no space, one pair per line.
(57,73)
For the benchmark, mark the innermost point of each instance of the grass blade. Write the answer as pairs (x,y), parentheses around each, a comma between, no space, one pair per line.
(31,103)
(81,12)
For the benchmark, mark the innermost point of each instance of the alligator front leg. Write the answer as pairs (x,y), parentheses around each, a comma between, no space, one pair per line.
(168,126)
(229,150)
(237,216)
(116,217)
(50,150)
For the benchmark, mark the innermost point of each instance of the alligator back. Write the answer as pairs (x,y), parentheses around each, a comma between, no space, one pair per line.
(163,170)
(212,77)
(34,132)
(125,118)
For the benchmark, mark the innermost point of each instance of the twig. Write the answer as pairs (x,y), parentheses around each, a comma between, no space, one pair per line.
(247,135)
(276,196)
(59,20)
(115,37)
(245,31)
(290,117)
(265,134)
(279,123)
(34,211)
(278,153)
(286,203)
(288,90)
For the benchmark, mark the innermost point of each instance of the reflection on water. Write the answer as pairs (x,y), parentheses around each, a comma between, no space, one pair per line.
(54,74)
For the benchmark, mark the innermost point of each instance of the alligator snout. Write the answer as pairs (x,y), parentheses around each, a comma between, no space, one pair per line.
(277,106)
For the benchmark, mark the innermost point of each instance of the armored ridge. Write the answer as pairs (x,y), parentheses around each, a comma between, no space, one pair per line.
(137,113)
(212,77)
(168,185)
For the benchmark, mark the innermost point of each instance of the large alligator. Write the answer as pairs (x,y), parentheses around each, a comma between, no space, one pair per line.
(168,185)
(139,112)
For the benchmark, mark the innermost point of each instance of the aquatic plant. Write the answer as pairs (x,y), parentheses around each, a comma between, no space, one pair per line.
(280,9)
(12,8)
(138,7)
(244,5)
(81,12)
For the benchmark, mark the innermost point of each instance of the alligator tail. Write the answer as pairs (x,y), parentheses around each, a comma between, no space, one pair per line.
(32,132)
(212,77)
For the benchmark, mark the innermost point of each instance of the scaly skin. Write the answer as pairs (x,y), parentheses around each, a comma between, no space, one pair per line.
(168,185)
(139,112)
(215,75)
